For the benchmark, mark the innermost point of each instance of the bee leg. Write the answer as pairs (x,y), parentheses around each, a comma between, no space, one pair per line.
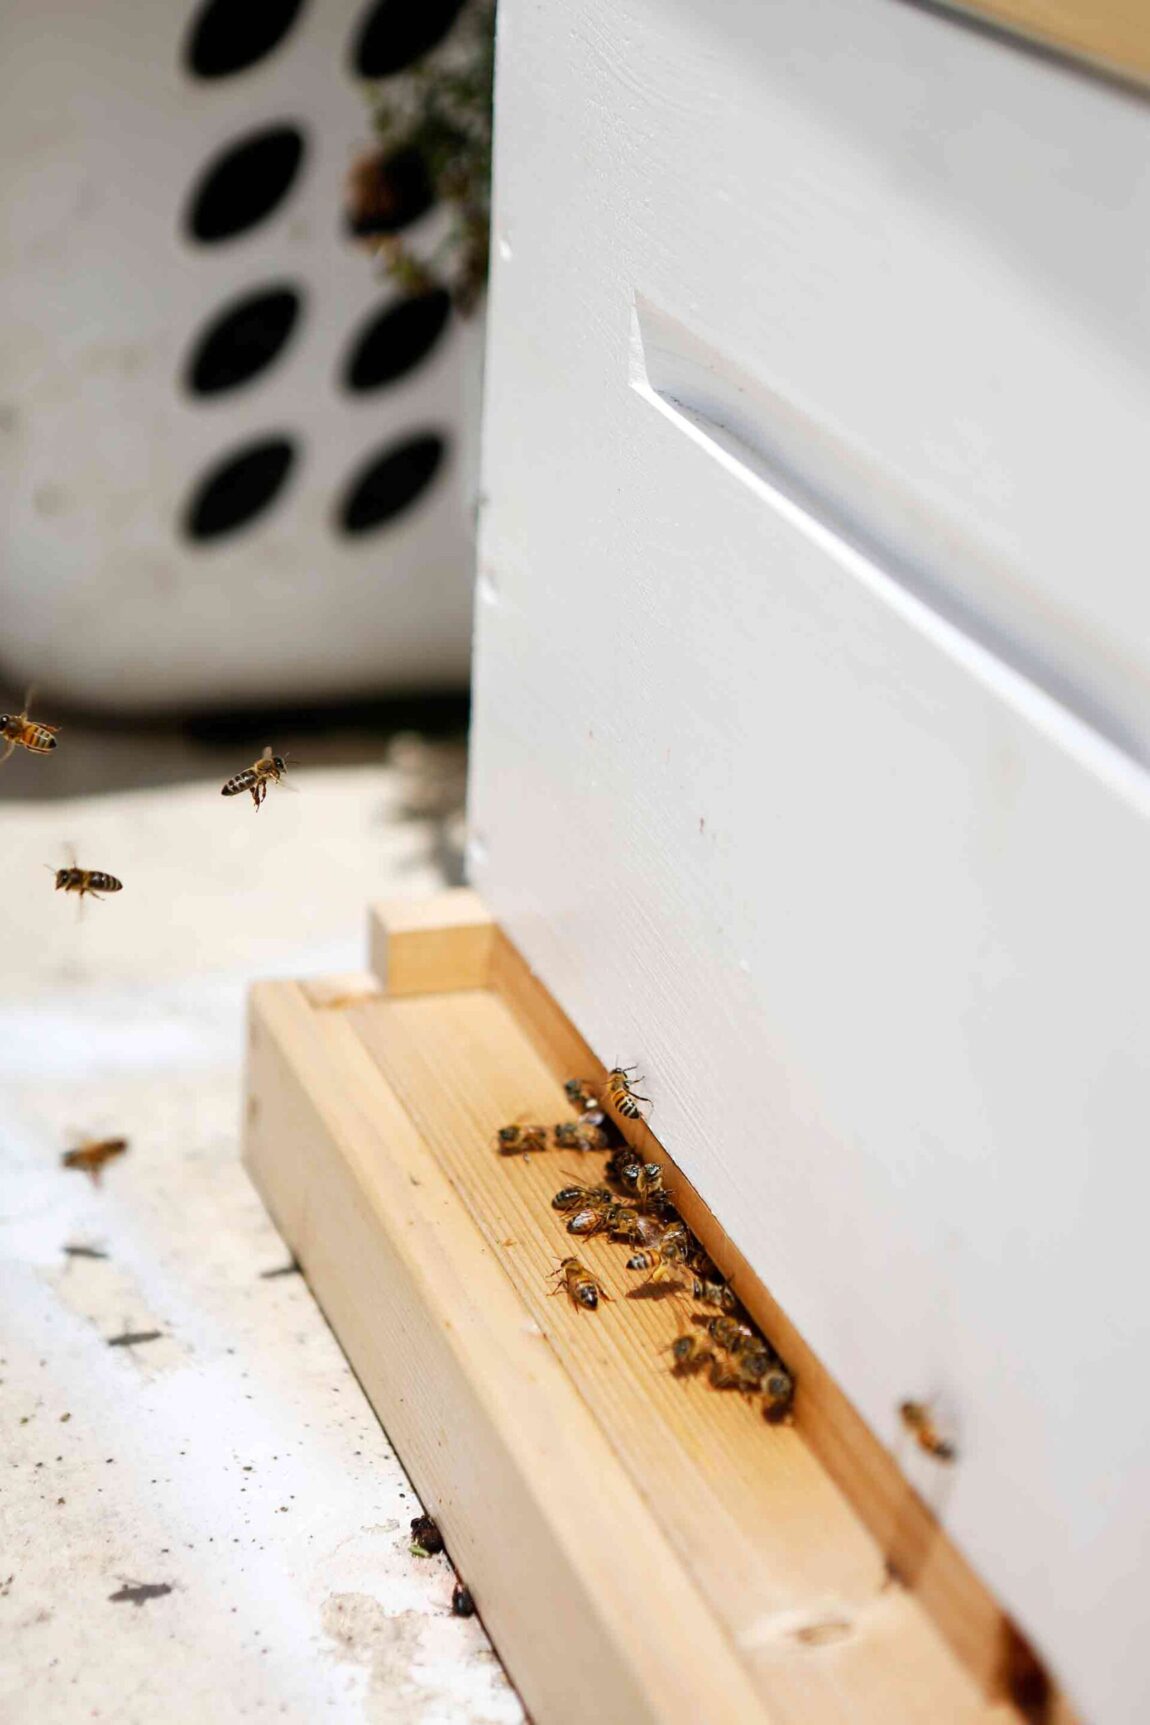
(8,750)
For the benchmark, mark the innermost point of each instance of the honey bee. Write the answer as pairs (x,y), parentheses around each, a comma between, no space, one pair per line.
(729,1333)
(90,1158)
(920,1423)
(256,778)
(519,1140)
(91,881)
(778,1389)
(724,1374)
(592,1219)
(628,1225)
(700,1262)
(714,1293)
(753,1368)
(580,1097)
(21,732)
(690,1354)
(579,1135)
(570,1197)
(661,1264)
(645,1180)
(582,1288)
(596,1218)
(622,1096)
(622,1165)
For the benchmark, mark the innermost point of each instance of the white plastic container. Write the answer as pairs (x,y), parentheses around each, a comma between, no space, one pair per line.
(107,139)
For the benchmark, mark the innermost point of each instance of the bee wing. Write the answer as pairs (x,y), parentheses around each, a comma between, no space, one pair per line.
(650,1231)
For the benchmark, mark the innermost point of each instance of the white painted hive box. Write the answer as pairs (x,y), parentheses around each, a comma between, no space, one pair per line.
(813,705)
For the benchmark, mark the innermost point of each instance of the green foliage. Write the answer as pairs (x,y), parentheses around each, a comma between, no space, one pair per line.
(439,113)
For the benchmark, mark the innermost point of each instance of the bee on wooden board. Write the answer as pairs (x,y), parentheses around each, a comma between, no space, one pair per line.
(90,882)
(630,1226)
(714,1293)
(269,769)
(580,1097)
(426,1538)
(622,1095)
(729,1333)
(662,1264)
(91,1157)
(920,1423)
(520,1140)
(598,1218)
(778,1388)
(690,1354)
(579,1135)
(644,1179)
(21,732)
(581,1286)
(572,1197)
(620,1164)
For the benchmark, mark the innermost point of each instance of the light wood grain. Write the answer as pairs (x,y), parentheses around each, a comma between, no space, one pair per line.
(906,1529)
(431,944)
(811,774)
(1113,33)
(569,1569)
(754,1520)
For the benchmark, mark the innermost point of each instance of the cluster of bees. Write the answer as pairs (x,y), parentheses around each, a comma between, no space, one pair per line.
(632,1205)
(20,731)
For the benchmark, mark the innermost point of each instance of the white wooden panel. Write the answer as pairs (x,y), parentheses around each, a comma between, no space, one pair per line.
(813,704)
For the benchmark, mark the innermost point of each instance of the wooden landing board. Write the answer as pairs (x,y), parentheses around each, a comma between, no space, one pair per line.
(640,1548)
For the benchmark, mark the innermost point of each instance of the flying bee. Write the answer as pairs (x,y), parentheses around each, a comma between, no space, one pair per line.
(91,881)
(691,1354)
(579,1135)
(519,1140)
(21,732)
(714,1293)
(920,1423)
(90,1158)
(582,1288)
(622,1096)
(267,770)
(580,1097)
(570,1197)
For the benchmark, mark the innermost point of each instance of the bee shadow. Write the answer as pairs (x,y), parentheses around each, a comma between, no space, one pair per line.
(657,1291)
